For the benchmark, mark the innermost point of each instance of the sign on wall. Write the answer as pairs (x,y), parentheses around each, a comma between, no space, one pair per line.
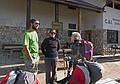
(111,19)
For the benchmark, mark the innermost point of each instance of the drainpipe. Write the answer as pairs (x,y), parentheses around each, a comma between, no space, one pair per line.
(28,15)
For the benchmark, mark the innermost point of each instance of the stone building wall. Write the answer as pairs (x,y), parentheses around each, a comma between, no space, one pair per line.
(14,35)
(105,39)
(11,35)
(97,38)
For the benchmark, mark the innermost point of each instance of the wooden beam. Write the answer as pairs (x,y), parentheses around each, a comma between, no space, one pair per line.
(78,20)
(28,15)
(56,12)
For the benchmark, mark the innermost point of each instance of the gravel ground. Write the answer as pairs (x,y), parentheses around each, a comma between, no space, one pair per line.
(111,66)
(111,69)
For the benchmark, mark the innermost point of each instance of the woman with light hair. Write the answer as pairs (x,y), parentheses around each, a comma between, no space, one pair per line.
(76,36)
(77,47)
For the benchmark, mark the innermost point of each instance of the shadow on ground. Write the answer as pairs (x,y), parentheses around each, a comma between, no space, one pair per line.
(118,80)
(108,59)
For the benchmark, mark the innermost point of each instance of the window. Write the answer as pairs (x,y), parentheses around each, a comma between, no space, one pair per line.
(114,4)
(112,37)
(117,6)
(72,28)
(109,3)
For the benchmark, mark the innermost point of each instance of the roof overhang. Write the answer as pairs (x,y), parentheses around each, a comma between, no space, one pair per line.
(78,4)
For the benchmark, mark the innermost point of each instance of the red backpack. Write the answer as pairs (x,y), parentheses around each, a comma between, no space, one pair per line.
(89,73)
(9,78)
(80,75)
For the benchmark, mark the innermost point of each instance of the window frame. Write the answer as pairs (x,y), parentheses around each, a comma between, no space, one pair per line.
(112,37)
(70,30)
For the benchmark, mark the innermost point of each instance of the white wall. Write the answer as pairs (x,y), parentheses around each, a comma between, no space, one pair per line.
(91,20)
(68,16)
(111,19)
(12,12)
(43,11)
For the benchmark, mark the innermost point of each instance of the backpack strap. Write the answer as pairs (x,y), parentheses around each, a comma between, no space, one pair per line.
(18,73)
(83,50)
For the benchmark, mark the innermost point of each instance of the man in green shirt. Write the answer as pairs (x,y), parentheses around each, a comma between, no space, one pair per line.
(31,47)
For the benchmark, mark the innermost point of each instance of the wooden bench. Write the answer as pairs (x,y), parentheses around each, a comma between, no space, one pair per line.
(116,49)
(12,47)
(18,47)
(62,53)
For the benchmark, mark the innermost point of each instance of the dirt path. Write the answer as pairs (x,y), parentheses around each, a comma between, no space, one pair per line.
(111,69)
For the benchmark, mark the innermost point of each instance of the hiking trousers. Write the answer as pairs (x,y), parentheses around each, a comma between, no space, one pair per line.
(51,69)
(29,66)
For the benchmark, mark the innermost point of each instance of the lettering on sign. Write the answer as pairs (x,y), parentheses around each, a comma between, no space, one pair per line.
(112,21)
(116,21)
(107,21)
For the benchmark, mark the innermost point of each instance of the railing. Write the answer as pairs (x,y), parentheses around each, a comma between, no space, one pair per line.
(114,49)
(62,54)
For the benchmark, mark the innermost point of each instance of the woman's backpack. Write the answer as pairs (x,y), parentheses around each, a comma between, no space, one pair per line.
(80,75)
(88,49)
(84,73)
(96,71)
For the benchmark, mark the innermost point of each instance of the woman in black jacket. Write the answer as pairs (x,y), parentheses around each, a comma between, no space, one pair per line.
(50,47)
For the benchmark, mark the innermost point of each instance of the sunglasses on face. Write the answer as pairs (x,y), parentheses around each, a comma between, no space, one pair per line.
(53,33)
(37,23)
